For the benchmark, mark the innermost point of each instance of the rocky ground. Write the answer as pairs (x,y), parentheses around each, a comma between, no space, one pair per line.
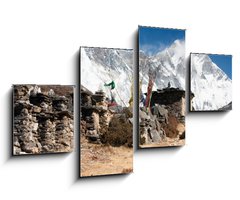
(99,159)
(167,142)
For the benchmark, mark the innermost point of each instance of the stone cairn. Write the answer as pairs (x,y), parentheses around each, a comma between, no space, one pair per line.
(95,115)
(104,124)
(166,104)
(43,123)
(150,129)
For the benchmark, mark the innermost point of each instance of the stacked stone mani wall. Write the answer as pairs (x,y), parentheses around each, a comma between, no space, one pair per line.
(43,120)
(101,123)
(166,117)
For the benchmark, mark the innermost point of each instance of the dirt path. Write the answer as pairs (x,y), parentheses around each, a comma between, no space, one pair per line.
(170,142)
(97,159)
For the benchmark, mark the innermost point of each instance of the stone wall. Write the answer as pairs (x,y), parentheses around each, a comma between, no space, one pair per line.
(165,118)
(43,121)
(102,122)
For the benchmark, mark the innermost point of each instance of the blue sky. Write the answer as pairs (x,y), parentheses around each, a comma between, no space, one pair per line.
(224,62)
(152,40)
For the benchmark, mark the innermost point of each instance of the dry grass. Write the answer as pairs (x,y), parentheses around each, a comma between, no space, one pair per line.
(97,159)
(119,133)
(171,128)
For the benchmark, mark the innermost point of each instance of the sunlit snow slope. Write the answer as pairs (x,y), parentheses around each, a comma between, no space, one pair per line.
(103,65)
(211,86)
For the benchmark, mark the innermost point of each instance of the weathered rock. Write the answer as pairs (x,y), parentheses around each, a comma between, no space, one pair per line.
(43,122)
(150,129)
(166,114)
(143,115)
(156,138)
(102,122)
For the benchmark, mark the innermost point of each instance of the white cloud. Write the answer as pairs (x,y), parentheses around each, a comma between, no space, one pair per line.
(151,49)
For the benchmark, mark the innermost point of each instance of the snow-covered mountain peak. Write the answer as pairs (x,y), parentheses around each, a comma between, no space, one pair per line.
(210,85)
(203,65)
(177,44)
(176,48)
(168,65)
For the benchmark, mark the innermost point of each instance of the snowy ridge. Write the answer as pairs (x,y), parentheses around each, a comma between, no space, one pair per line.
(168,66)
(102,65)
(210,85)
